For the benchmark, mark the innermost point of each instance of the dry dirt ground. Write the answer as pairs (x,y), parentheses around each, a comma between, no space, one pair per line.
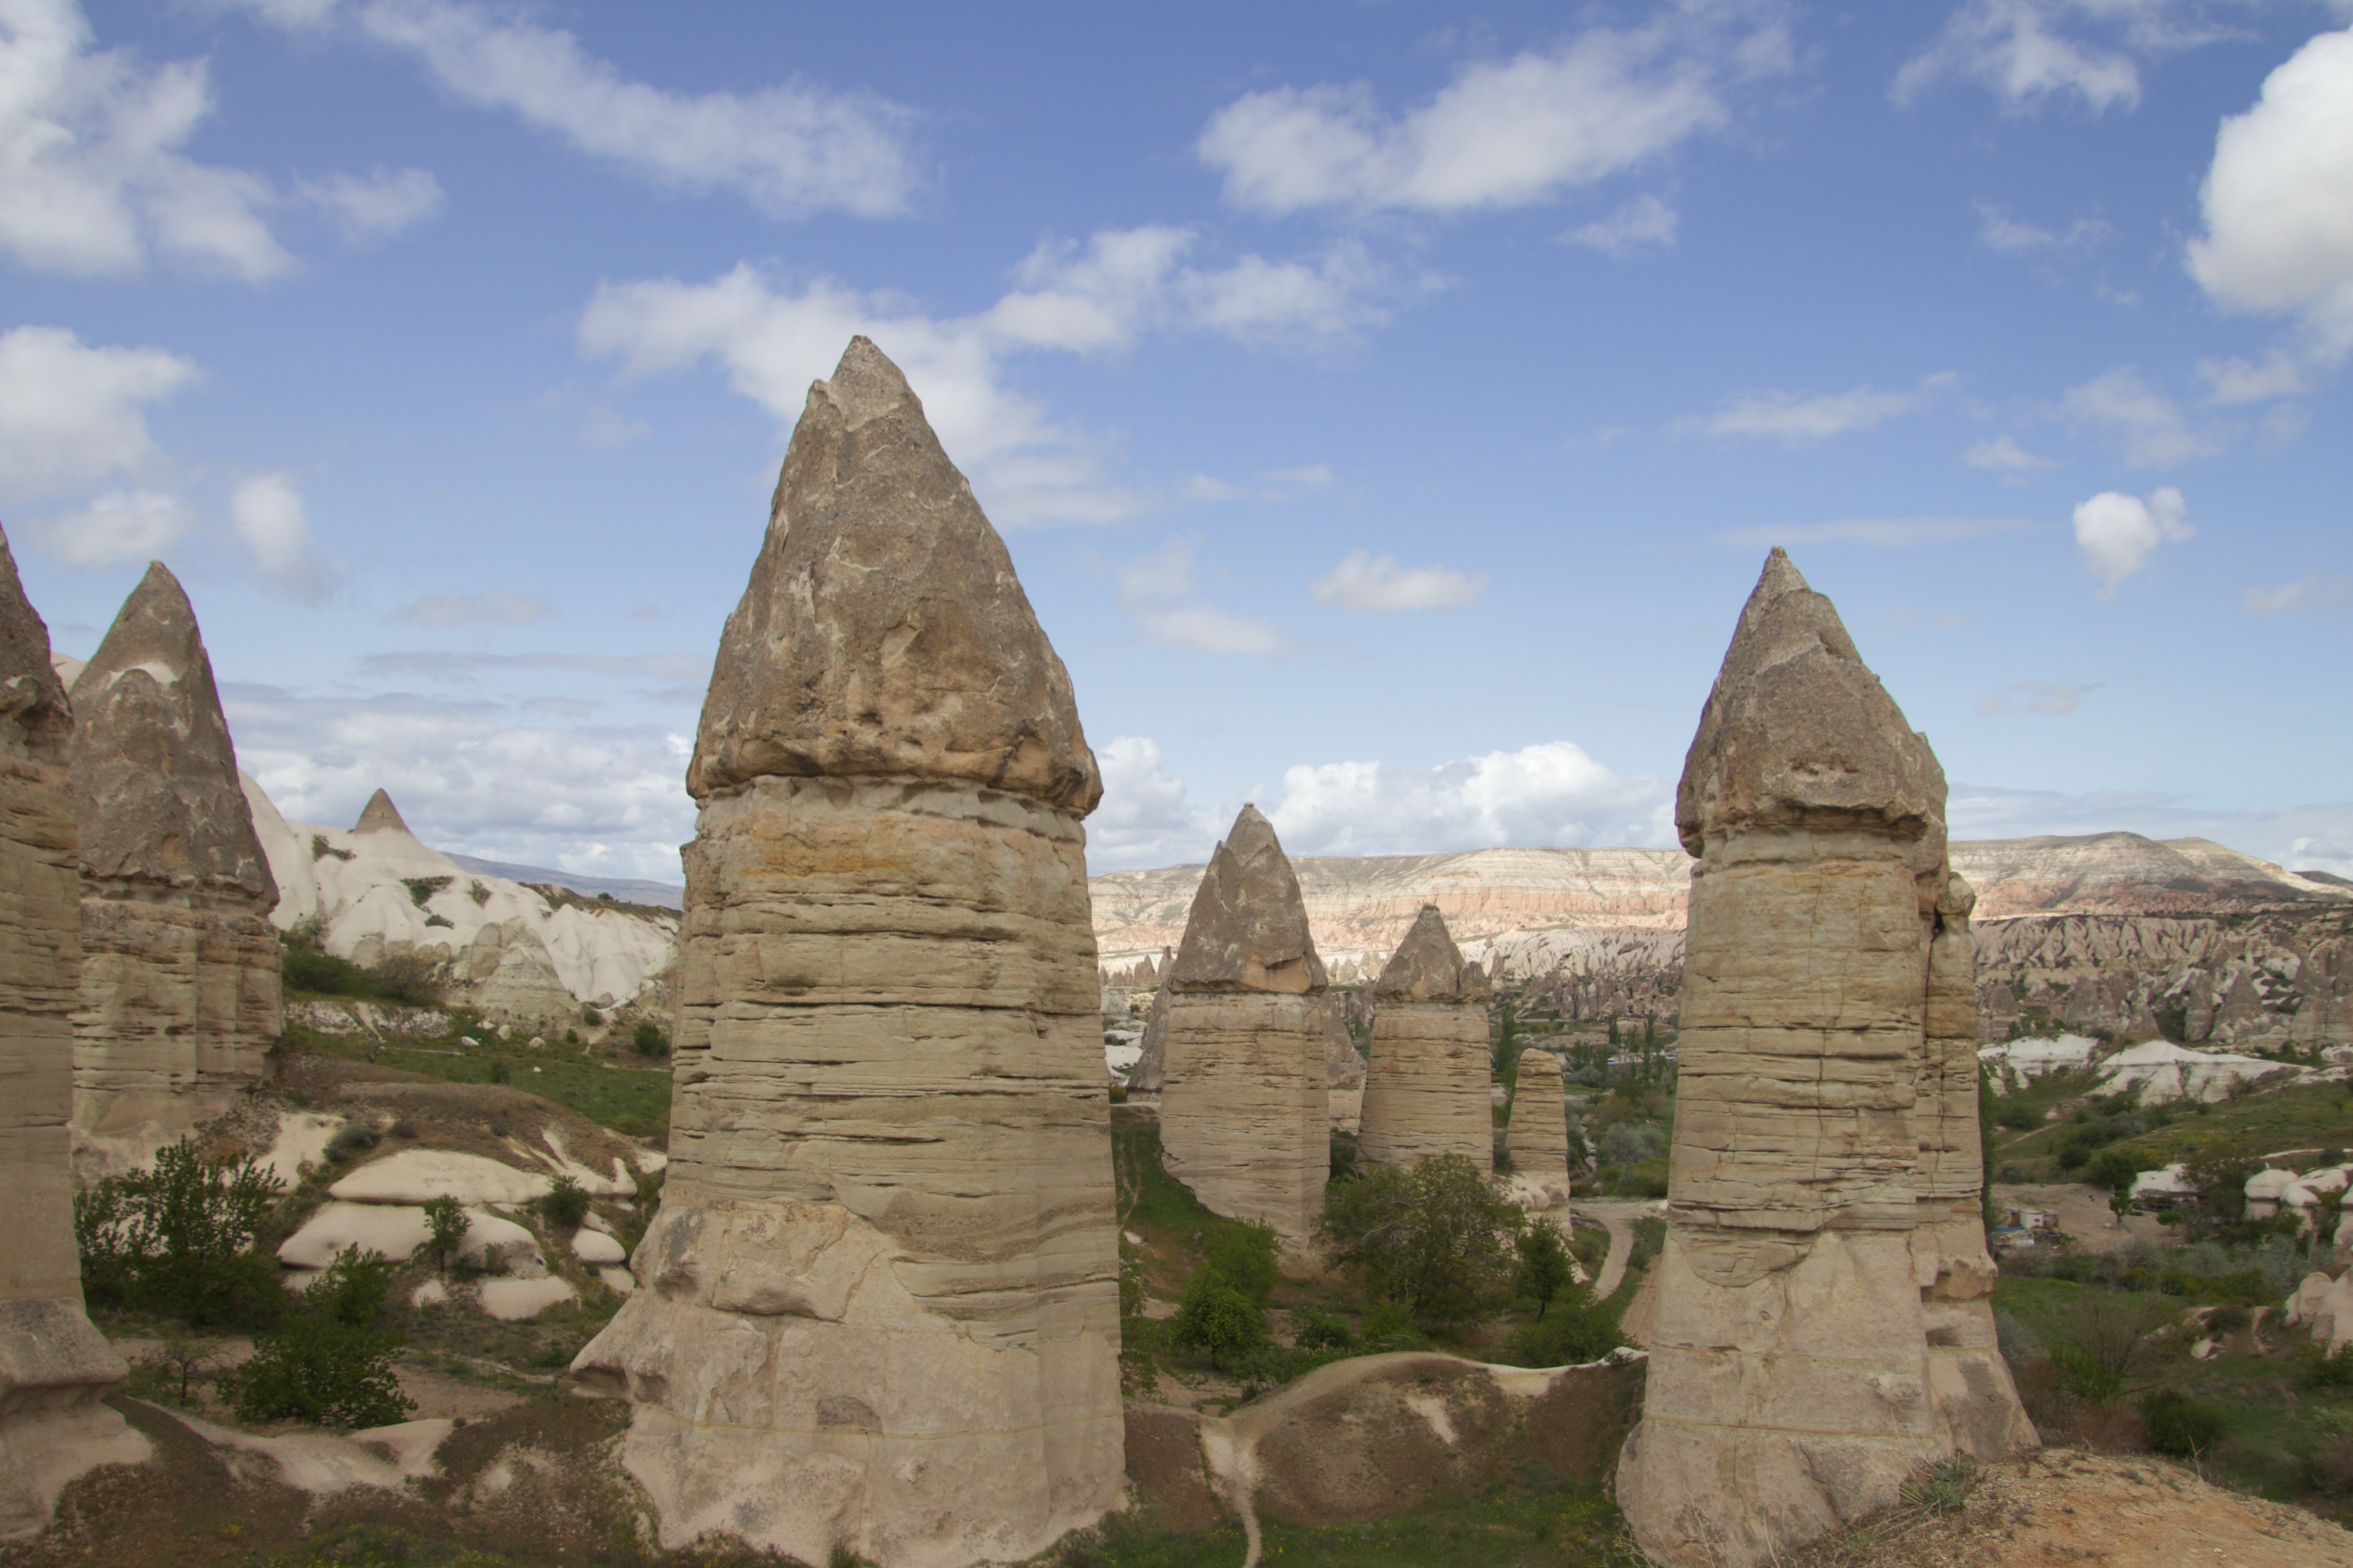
(2083,1214)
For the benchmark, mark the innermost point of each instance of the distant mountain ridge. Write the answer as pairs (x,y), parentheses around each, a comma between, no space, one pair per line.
(629,891)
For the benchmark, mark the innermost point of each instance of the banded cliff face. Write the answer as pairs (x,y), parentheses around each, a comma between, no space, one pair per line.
(54,1366)
(878,1310)
(181,996)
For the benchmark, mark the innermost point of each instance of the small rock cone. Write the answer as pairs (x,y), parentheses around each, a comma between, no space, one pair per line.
(380,815)
(1426,1089)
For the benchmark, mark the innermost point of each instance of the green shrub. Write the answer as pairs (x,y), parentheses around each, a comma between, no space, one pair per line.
(647,1040)
(445,1223)
(2180,1425)
(1437,1236)
(1543,1266)
(322,974)
(1314,1329)
(1389,1326)
(329,1365)
(565,1204)
(352,1139)
(1216,1320)
(1577,1329)
(1243,1254)
(178,1239)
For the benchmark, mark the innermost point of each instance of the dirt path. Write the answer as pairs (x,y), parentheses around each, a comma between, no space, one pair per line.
(1619,1218)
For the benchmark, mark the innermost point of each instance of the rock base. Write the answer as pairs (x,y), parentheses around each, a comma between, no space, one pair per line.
(1245,1119)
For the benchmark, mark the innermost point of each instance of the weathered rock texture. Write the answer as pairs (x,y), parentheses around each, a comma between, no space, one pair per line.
(54,1366)
(1537,1136)
(1425,1091)
(1790,1387)
(1244,1113)
(180,990)
(878,1310)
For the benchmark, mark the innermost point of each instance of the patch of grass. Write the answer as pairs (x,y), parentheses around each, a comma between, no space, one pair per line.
(630,1099)
(1510,1526)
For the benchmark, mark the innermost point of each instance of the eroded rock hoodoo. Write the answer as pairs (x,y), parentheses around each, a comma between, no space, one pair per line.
(180,991)
(54,1366)
(1244,1111)
(1537,1136)
(1790,1384)
(878,1310)
(1425,1090)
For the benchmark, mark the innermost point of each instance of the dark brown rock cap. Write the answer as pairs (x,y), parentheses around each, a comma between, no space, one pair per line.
(883,630)
(155,774)
(1428,967)
(1798,732)
(30,691)
(1248,931)
(380,815)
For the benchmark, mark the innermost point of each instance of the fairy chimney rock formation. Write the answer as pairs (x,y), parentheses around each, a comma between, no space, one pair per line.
(878,1311)
(54,1366)
(1425,1091)
(380,815)
(180,989)
(1537,1136)
(1790,1381)
(1244,1114)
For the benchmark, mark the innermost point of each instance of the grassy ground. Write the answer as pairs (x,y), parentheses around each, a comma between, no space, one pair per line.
(1506,1526)
(2317,1117)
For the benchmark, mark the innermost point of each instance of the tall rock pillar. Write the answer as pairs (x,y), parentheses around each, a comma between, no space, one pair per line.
(1426,1088)
(1244,1111)
(878,1310)
(181,997)
(54,1366)
(1537,1135)
(1977,1406)
(1788,1383)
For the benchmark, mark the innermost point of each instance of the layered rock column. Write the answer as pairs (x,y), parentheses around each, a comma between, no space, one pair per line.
(1426,1088)
(1537,1136)
(1788,1383)
(1244,1111)
(54,1366)
(1976,1403)
(878,1310)
(181,997)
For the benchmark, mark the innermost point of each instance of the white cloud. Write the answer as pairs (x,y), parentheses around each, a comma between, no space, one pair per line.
(2296,836)
(371,209)
(91,177)
(2314,591)
(2010,46)
(120,527)
(71,415)
(1102,297)
(443,664)
(1363,581)
(494,607)
(789,150)
(1645,220)
(2118,533)
(2279,228)
(2006,456)
(2145,423)
(1550,793)
(2052,697)
(267,514)
(2000,232)
(1878,533)
(1146,817)
(1502,134)
(1797,421)
(1153,593)
(1274,485)
(2238,381)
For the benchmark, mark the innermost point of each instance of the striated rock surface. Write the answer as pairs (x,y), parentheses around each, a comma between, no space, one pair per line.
(54,1366)
(1789,1385)
(877,1312)
(1537,1135)
(1244,1107)
(180,991)
(1425,1090)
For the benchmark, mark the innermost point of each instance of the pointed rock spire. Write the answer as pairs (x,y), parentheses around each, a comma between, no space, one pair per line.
(155,774)
(1247,930)
(30,691)
(1799,731)
(1428,967)
(883,630)
(380,815)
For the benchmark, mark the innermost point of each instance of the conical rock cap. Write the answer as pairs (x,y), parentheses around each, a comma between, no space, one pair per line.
(155,774)
(883,630)
(1428,967)
(380,815)
(1798,732)
(30,691)
(1248,931)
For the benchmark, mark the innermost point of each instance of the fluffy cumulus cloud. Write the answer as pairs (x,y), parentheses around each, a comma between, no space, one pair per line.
(2279,228)
(71,415)
(1363,581)
(1502,134)
(2313,591)
(1639,225)
(2118,533)
(1550,793)
(1160,592)
(1146,817)
(2147,426)
(2299,838)
(2031,52)
(267,514)
(2244,381)
(370,208)
(789,150)
(119,528)
(1798,421)
(773,339)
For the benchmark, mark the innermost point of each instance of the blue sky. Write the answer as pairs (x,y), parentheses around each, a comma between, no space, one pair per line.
(1387,405)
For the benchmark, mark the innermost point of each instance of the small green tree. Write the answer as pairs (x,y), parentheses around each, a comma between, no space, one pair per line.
(1437,1236)
(178,1239)
(1544,1264)
(445,1225)
(565,1204)
(647,1040)
(1244,1254)
(1216,1320)
(329,1365)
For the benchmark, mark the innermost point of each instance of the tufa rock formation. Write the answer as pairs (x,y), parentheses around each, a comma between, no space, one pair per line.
(878,1311)
(1789,1385)
(1244,1118)
(180,990)
(380,815)
(54,1366)
(1425,1091)
(1537,1136)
